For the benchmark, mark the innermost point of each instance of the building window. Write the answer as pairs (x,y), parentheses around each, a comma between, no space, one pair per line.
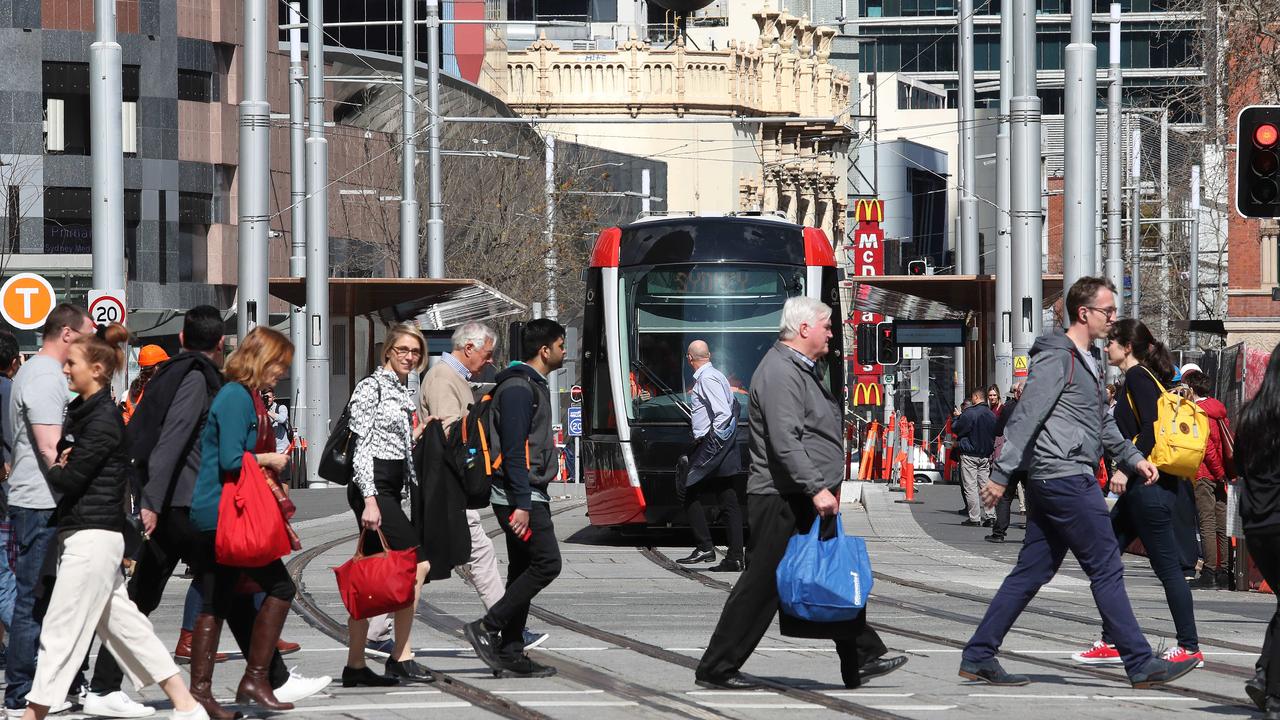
(196,85)
(65,87)
(68,223)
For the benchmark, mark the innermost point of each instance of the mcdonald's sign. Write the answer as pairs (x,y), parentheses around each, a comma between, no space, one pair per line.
(871,211)
(867,392)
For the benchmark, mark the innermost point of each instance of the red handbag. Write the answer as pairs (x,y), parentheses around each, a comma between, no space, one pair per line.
(251,530)
(376,584)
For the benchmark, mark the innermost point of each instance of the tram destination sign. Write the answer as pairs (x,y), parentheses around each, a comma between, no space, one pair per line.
(929,333)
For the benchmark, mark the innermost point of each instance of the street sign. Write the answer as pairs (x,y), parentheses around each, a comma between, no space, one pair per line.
(26,299)
(1019,365)
(575,421)
(106,306)
(575,394)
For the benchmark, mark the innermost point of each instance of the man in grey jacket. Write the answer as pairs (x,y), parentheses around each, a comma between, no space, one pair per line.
(1057,434)
(797,458)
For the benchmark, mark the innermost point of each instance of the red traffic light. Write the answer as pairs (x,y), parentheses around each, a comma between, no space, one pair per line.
(1266,135)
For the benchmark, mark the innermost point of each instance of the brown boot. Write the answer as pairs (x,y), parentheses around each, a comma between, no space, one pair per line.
(182,652)
(255,686)
(204,641)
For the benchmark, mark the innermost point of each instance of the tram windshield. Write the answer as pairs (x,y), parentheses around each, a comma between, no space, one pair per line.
(735,308)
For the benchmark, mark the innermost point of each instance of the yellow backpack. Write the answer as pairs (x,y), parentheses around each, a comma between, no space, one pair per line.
(1182,432)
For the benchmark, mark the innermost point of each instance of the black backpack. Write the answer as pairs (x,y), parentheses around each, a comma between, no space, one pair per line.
(475,449)
(143,431)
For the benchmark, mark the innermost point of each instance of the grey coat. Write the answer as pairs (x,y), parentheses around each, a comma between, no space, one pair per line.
(796,425)
(1061,425)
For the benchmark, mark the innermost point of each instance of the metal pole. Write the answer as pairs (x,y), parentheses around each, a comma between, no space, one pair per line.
(1099,228)
(297,215)
(317,242)
(1115,172)
(968,225)
(1078,246)
(1164,223)
(1004,248)
(409,147)
(255,171)
(1135,223)
(105,101)
(552,309)
(1024,118)
(1193,309)
(435,203)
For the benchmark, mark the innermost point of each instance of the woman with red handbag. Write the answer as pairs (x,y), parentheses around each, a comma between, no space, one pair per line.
(91,482)
(234,447)
(382,410)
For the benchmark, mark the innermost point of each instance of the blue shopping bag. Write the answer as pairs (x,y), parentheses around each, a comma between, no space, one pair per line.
(824,580)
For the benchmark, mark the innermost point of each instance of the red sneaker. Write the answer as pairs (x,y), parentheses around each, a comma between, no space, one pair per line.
(1100,654)
(1178,654)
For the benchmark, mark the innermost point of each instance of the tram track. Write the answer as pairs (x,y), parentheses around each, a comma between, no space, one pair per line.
(660,559)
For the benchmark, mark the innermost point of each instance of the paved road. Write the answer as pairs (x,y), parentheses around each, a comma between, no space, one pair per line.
(626,629)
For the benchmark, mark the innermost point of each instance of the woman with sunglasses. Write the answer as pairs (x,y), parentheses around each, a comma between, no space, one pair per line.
(382,417)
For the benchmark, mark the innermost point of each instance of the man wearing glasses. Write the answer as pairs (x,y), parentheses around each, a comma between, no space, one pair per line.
(1057,434)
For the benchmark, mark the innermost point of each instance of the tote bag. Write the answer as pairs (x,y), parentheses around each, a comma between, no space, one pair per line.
(824,580)
(376,584)
(251,530)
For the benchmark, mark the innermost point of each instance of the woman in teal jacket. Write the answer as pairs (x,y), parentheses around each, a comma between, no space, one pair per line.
(236,425)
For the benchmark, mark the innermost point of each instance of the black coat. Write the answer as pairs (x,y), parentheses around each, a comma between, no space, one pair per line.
(440,506)
(91,487)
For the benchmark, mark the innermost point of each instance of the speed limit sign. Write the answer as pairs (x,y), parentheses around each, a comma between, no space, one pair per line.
(106,306)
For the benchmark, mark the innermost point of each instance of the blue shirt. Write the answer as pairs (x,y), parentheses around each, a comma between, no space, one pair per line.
(453,362)
(711,402)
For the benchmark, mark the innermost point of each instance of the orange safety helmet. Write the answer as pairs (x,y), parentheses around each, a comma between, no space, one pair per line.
(151,355)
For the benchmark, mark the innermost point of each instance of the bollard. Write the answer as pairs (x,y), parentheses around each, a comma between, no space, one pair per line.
(909,481)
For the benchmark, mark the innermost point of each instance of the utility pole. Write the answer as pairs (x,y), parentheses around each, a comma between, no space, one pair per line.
(1193,309)
(409,144)
(255,182)
(1078,246)
(105,103)
(1004,248)
(1024,119)
(297,214)
(1135,224)
(1115,171)
(552,309)
(435,203)
(969,259)
(317,240)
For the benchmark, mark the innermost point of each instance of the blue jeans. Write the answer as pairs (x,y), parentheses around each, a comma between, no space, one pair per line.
(1066,514)
(8,583)
(33,535)
(191,607)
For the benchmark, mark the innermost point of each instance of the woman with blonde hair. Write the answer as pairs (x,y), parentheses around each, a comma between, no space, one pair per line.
(237,424)
(90,479)
(382,417)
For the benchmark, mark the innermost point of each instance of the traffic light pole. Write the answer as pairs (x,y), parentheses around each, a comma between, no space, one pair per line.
(1078,245)
(1004,249)
(1115,171)
(1024,120)
(1135,225)
(969,260)
(1193,302)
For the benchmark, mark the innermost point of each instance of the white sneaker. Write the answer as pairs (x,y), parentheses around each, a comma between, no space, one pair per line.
(63,706)
(298,687)
(116,704)
(196,713)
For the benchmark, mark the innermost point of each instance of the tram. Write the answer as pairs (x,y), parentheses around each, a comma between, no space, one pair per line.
(653,287)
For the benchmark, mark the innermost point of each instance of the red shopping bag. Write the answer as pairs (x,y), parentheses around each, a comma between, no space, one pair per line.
(251,530)
(375,584)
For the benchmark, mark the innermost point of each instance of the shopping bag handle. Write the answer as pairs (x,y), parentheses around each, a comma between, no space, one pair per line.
(360,544)
(816,528)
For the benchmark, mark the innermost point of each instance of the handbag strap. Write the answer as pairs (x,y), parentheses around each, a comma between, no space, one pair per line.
(360,544)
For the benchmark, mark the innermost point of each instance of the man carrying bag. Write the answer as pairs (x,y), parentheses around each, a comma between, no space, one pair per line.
(796,460)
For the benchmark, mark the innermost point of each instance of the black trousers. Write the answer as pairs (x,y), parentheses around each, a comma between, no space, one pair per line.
(1265,551)
(1005,505)
(531,566)
(719,491)
(753,602)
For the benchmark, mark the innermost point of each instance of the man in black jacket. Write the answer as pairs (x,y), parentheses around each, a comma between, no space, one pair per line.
(1005,506)
(522,418)
(976,430)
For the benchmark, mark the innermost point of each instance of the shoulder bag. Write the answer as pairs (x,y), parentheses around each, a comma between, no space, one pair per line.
(377,584)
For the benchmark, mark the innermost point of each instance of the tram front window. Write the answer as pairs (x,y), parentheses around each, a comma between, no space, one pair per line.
(735,309)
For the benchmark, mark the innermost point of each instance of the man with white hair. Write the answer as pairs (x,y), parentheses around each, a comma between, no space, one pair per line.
(797,459)
(446,394)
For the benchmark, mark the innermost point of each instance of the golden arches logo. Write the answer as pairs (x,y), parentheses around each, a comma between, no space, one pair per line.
(867,393)
(869,211)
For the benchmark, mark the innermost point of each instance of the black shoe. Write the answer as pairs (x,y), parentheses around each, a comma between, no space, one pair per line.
(1256,689)
(1158,671)
(735,681)
(988,523)
(1273,709)
(1223,580)
(880,666)
(994,538)
(409,671)
(485,642)
(698,556)
(991,673)
(1206,581)
(523,667)
(727,565)
(971,523)
(962,511)
(358,677)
